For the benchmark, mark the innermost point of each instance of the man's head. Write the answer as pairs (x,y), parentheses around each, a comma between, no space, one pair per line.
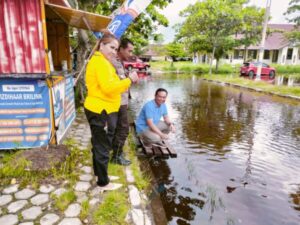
(125,49)
(160,96)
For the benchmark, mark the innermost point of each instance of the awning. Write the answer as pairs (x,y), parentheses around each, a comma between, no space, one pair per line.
(80,19)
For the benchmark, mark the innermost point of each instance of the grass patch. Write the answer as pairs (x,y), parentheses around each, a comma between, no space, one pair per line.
(142,180)
(264,86)
(113,210)
(85,207)
(61,202)
(117,170)
(15,167)
(189,67)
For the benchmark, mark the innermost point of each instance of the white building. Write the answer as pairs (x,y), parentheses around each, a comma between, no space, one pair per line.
(278,49)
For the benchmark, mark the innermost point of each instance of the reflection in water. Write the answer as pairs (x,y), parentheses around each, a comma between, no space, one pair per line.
(238,154)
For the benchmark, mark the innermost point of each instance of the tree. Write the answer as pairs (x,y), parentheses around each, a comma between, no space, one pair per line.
(294,7)
(175,50)
(140,31)
(210,26)
(251,28)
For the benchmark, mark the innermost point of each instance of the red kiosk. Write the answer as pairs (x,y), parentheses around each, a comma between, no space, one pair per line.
(36,80)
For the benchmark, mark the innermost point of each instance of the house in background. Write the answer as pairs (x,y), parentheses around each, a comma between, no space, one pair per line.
(153,52)
(278,49)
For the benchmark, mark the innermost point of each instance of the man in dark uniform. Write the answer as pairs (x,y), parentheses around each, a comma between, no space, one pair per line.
(122,129)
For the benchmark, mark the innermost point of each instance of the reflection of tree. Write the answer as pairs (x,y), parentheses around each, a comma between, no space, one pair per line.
(212,117)
(175,205)
(295,197)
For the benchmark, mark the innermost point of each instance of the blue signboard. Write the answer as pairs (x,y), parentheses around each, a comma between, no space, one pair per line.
(123,16)
(25,120)
(64,106)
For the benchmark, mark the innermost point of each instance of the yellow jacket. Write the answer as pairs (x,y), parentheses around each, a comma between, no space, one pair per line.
(104,85)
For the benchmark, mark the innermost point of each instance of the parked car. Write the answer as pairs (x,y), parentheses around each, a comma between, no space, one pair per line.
(136,63)
(250,69)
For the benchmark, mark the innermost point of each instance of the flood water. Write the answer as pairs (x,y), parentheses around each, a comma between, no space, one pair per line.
(238,154)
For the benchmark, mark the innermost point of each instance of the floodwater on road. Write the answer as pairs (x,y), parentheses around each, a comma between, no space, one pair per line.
(238,154)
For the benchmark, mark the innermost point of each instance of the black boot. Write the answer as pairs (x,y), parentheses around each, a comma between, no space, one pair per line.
(120,159)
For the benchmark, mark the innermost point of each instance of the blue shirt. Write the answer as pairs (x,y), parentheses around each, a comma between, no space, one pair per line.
(150,111)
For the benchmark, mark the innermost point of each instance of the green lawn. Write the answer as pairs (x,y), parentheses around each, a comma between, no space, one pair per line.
(262,85)
(189,67)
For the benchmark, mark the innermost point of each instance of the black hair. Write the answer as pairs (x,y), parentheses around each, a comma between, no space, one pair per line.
(159,90)
(124,43)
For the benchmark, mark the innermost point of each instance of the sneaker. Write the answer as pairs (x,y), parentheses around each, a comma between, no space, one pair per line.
(120,160)
(112,178)
(111,187)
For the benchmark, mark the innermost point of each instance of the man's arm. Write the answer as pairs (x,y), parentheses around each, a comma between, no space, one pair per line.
(155,129)
(169,123)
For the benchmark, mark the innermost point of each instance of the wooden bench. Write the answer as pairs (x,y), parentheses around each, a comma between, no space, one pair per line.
(163,151)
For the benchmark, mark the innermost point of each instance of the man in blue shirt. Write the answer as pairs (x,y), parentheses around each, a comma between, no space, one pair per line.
(148,124)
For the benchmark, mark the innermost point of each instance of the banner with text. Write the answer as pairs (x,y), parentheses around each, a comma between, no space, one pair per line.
(25,120)
(64,106)
(123,16)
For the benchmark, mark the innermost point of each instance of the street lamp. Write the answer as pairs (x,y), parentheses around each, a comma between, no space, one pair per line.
(263,39)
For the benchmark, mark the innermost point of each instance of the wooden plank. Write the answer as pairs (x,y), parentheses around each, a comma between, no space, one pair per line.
(172,152)
(164,150)
(147,150)
(157,151)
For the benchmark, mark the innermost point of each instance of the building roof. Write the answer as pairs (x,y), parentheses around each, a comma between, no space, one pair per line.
(152,50)
(276,40)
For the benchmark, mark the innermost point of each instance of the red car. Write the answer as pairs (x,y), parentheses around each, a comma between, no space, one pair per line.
(250,69)
(136,63)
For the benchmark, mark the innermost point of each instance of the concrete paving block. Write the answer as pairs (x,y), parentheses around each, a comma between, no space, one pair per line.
(86,169)
(24,194)
(40,199)
(70,221)
(82,186)
(16,206)
(9,219)
(86,177)
(129,176)
(4,199)
(32,213)
(94,201)
(134,196)
(59,191)
(47,188)
(49,219)
(81,196)
(139,217)
(11,189)
(73,210)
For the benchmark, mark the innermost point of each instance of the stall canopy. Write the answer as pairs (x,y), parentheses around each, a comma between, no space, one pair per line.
(80,19)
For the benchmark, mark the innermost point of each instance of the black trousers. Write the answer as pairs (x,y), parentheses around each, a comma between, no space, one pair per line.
(121,132)
(101,141)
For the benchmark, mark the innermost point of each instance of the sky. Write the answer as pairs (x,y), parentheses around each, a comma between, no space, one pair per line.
(278,7)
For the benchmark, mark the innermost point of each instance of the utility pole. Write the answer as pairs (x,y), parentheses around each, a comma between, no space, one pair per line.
(263,39)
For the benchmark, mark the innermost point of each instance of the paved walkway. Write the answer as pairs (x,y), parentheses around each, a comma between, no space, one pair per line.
(28,206)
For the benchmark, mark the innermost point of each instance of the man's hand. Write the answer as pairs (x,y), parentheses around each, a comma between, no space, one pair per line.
(172,128)
(133,76)
(164,136)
